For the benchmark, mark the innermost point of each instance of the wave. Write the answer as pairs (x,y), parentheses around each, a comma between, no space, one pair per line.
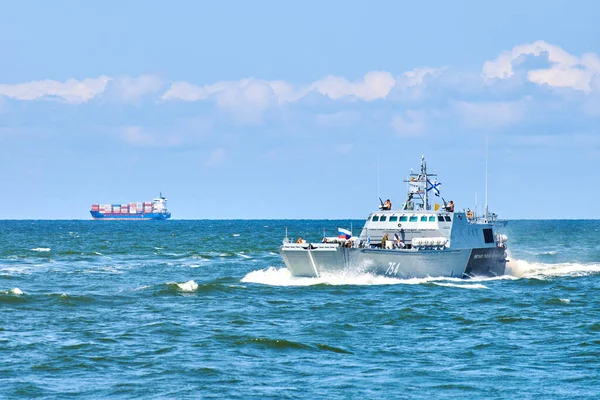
(188,286)
(41,249)
(16,291)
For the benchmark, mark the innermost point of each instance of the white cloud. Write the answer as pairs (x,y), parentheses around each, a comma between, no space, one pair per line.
(260,94)
(215,158)
(228,94)
(417,76)
(71,91)
(131,89)
(565,70)
(246,98)
(374,85)
(80,91)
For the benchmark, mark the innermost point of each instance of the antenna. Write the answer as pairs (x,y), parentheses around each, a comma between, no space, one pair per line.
(486,176)
(378,196)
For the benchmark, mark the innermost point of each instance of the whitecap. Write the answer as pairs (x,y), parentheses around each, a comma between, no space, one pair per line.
(565,300)
(236,234)
(141,288)
(243,255)
(41,249)
(188,286)
(15,291)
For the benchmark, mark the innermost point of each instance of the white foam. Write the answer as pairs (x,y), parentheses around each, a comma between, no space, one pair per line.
(526,269)
(15,291)
(243,255)
(236,234)
(188,286)
(141,288)
(282,277)
(565,300)
(41,249)
(515,269)
(462,286)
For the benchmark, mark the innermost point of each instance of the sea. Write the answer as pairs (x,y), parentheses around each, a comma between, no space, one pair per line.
(206,309)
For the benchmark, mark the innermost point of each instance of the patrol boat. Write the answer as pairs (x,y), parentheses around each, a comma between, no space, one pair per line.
(415,241)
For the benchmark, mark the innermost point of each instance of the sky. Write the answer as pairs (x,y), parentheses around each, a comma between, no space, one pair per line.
(312,109)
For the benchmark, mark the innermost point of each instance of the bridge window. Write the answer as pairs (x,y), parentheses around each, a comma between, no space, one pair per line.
(403,218)
(424,218)
(488,236)
(413,218)
(375,218)
(447,217)
(383,218)
(441,218)
(393,218)
(432,218)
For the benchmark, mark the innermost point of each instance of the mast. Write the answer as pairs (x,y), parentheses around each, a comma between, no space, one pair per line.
(424,172)
(417,185)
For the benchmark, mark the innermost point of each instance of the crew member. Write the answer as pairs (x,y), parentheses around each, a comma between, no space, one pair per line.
(299,240)
(450,206)
(388,205)
(384,239)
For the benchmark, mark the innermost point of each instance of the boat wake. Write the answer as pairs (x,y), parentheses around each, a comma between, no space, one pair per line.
(282,277)
(536,270)
(515,270)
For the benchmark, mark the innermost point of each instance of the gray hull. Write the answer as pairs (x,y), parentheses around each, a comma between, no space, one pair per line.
(314,260)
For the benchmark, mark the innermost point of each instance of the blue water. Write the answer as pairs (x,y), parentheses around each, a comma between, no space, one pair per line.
(206,309)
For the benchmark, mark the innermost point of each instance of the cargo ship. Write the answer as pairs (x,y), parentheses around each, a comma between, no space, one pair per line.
(155,209)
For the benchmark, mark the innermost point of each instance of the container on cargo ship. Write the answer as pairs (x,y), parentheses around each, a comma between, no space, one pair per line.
(149,210)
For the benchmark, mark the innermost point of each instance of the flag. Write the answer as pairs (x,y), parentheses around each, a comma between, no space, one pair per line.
(398,241)
(344,233)
(434,185)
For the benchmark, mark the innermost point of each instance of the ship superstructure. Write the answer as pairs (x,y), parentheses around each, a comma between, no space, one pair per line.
(416,240)
(149,210)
